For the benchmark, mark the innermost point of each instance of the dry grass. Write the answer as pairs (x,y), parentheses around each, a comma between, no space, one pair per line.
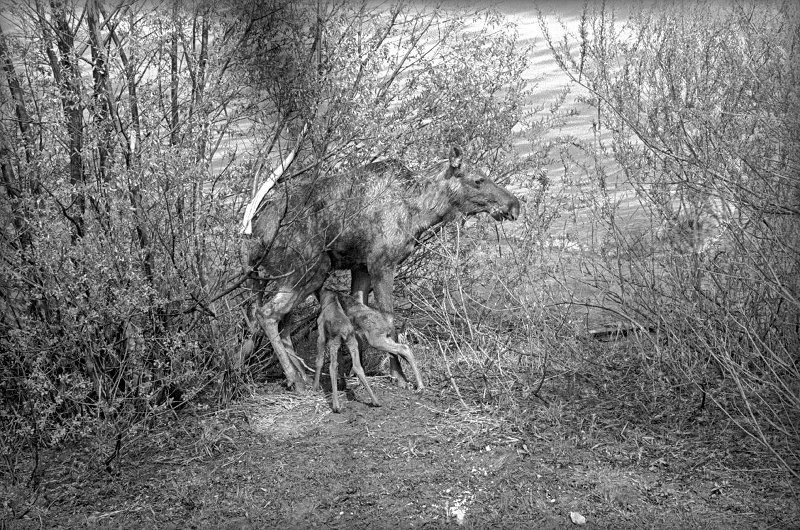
(283,416)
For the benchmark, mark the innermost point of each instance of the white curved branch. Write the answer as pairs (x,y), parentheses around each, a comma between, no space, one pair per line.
(269,183)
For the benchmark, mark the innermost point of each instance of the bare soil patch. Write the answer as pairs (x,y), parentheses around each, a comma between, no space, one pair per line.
(276,459)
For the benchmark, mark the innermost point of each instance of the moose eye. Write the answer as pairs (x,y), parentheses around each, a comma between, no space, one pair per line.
(476,182)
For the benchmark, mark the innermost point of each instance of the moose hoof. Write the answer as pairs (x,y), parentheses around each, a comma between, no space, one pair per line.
(299,386)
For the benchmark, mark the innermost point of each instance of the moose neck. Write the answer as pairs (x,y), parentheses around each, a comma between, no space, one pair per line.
(435,204)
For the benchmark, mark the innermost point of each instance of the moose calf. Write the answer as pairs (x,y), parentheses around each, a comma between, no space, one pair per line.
(376,329)
(334,327)
(337,324)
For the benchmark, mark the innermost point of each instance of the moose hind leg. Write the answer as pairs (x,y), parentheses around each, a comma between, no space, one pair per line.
(383,284)
(286,339)
(269,315)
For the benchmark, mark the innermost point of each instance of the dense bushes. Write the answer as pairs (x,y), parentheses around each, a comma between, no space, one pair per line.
(676,226)
(701,103)
(132,137)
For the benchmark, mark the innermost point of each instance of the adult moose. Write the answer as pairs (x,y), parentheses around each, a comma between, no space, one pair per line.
(367,220)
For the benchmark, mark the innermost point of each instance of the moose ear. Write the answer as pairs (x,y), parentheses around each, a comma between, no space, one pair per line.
(455,157)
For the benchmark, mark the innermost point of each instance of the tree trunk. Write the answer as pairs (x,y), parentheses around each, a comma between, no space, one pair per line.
(101,98)
(201,84)
(142,235)
(173,72)
(135,189)
(21,112)
(14,186)
(130,76)
(174,135)
(70,86)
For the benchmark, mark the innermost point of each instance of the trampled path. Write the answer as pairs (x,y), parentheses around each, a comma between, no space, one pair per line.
(278,460)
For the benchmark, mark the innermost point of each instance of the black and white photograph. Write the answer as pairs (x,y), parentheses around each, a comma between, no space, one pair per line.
(365,264)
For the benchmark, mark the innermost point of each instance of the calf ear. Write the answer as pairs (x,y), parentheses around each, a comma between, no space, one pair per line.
(455,157)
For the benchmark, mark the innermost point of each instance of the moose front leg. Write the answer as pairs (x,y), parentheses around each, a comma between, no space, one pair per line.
(360,283)
(383,285)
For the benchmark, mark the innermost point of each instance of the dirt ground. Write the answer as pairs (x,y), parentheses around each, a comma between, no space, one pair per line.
(281,460)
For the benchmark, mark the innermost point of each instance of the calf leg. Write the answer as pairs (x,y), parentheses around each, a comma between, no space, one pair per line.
(382,342)
(352,345)
(333,352)
(320,355)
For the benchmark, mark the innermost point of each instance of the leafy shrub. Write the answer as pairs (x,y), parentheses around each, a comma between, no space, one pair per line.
(701,103)
(125,171)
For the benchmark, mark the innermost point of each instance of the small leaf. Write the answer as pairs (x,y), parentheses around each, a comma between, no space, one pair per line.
(577,518)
